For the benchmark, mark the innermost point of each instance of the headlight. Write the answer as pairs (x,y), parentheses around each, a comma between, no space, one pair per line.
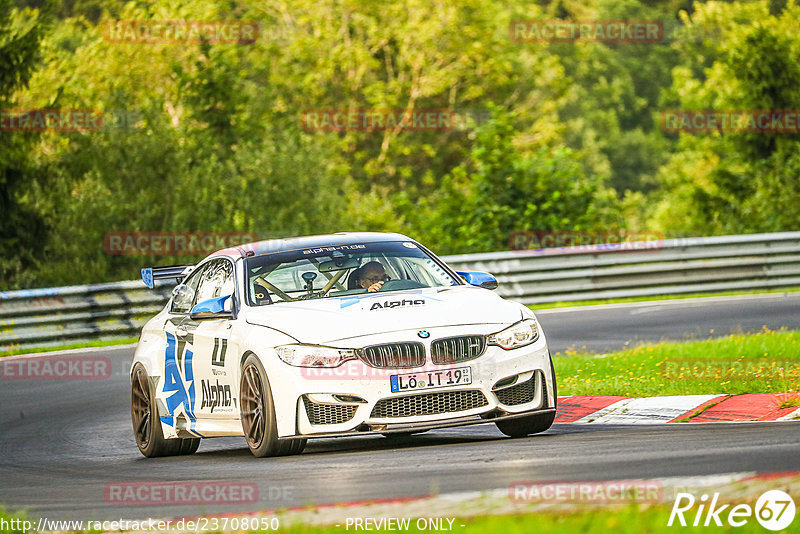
(314,355)
(517,335)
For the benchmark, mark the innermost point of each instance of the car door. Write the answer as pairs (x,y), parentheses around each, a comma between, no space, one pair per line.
(217,394)
(177,394)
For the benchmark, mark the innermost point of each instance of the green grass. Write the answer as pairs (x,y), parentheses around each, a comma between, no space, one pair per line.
(569,304)
(764,362)
(99,343)
(632,519)
(790,403)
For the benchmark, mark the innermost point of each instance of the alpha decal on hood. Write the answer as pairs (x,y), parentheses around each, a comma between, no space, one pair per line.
(397,303)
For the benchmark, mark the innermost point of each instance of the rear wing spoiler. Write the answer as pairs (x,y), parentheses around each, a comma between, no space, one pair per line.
(178,272)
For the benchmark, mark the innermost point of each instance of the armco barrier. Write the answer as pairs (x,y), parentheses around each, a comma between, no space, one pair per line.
(53,316)
(668,267)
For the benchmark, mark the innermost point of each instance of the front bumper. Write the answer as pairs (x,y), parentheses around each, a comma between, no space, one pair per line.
(355,399)
(400,428)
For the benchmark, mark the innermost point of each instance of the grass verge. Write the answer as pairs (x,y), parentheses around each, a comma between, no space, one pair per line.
(630,519)
(88,344)
(569,304)
(633,519)
(764,362)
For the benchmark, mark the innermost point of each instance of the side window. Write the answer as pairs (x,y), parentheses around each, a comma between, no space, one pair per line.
(216,281)
(183,294)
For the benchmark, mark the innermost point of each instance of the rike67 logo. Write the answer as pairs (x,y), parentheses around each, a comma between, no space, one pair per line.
(774,510)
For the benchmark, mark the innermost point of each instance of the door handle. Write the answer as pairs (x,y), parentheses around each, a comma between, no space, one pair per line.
(181,332)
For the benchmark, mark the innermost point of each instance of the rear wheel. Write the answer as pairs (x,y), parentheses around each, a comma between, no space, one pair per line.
(532,424)
(258,414)
(147,424)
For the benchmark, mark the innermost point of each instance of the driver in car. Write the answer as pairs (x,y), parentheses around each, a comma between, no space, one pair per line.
(372,276)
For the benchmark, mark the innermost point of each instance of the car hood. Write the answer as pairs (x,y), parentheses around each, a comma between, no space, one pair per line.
(328,320)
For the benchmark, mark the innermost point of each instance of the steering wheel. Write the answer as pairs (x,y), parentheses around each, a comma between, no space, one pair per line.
(393,285)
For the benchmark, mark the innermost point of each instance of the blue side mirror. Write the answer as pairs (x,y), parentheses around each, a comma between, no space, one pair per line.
(211,309)
(479,278)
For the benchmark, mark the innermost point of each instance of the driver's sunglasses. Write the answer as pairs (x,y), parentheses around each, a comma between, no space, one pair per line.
(384,278)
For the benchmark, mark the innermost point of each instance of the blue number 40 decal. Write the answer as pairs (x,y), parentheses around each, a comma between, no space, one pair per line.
(175,382)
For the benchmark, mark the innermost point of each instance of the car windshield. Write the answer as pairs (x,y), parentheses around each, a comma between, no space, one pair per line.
(342,270)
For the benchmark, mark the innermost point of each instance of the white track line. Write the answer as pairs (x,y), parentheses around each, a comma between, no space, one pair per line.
(667,302)
(646,410)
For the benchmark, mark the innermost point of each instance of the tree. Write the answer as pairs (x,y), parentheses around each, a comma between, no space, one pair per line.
(735,56)
(22,231)
(500,191)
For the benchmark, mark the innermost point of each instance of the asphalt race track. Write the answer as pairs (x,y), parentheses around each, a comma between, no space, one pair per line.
(614,326)
(61,442)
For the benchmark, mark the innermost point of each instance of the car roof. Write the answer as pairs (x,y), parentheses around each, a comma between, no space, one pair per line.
(270,246)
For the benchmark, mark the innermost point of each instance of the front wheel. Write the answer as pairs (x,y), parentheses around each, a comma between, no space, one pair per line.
(258,414)
(532,424)
(525,426)
(147,424)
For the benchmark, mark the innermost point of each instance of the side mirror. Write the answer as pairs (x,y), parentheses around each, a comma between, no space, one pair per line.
(212,309)
(479,278)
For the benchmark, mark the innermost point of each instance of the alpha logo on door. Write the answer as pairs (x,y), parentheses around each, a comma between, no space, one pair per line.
(217,396)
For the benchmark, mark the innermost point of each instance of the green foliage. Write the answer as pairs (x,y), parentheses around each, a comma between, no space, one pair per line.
(737,56)
(499,191)
(563,136)
(20,37)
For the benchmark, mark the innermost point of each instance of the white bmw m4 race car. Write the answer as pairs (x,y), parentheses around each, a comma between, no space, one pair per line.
(335,335)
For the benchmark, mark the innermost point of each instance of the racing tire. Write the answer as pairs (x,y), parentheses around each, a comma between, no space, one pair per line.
(532,424)
(257,411)
(147,423)
(289,447)
(189,445)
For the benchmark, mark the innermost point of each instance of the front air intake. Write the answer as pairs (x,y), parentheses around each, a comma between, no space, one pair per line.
(328,414)
(429,404)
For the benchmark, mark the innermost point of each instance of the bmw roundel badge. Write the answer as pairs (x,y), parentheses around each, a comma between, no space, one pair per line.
(424,334)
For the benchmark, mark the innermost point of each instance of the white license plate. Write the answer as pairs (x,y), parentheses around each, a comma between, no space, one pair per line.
(457,376)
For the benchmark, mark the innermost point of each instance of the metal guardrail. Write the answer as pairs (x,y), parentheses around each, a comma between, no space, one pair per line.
(54,316)
(74,314)
(668,267)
